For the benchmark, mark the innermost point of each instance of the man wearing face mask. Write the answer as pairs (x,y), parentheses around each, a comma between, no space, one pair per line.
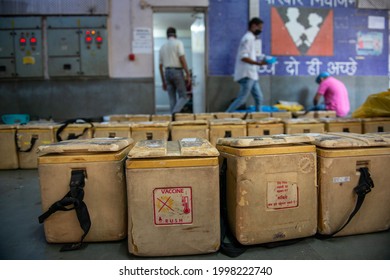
(245,72)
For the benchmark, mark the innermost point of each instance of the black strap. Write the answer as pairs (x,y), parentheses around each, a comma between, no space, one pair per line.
(66,123)
(73,198)
(364,186)
(33,140)
(232,248)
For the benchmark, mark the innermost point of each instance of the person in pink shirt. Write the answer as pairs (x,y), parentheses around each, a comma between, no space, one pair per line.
(334,92)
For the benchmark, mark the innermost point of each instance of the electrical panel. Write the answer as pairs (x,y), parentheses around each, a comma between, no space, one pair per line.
(77,46)
(21,47)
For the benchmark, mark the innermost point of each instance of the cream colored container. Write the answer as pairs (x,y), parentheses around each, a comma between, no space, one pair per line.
(271,187)
(340,156)
(29,138)
(173,198)
(189,129)
(371,125)
(304,125)
(232,127)
(265,126)
(8,151)
(342,125)
(102,159)
(112,130)
(158,130)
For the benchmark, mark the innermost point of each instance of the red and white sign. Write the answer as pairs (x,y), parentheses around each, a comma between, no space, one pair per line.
(172,206)
(282,194)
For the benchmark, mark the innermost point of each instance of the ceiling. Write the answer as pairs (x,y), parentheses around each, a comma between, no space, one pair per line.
(180,21)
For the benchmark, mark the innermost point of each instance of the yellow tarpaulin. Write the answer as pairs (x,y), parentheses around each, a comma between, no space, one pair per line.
(376,105)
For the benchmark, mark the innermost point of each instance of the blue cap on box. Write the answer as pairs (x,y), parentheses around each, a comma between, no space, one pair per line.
(322,75)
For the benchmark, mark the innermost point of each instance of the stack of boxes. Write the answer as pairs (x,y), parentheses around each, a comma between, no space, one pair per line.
(278,186)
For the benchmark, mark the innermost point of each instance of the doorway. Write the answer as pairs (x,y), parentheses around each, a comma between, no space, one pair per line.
(190,28)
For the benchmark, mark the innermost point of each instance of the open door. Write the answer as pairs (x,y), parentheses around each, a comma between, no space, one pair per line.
(190,30)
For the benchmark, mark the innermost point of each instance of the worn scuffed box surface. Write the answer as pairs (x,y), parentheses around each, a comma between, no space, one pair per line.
(188,129)
(342,125)
(229,127)
(29,138)
(304,125)
(158,130)
(9,155)
(372,125)
(173,198)
(112,130)
(105,187)
(271,187)
(265,126)
(340,155)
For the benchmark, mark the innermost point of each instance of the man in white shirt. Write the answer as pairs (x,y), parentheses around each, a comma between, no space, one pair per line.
(173,62)
(245,72)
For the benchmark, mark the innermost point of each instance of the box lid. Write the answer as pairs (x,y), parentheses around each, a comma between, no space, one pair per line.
(264,121)
(37,126)
(301,121)
(258,141)
(379,119)
(186,147)
(189,122)
(86,146)
(350,140)
(150,124)
(340,120)
(112,124)
(227,121)
(7,126)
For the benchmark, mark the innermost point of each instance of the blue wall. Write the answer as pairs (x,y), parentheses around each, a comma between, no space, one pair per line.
(346,26)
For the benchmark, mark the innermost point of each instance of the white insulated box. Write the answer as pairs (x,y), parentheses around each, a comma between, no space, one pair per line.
(102,160)
(340,159)
(8,151)
(271,188)
(173,198)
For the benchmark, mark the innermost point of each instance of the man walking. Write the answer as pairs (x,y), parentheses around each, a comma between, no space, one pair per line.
(245,72)
(172,64)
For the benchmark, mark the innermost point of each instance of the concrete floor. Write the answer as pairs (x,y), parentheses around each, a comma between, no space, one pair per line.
(22,237)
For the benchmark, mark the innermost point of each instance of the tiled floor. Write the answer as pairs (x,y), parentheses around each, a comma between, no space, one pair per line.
(22,237)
